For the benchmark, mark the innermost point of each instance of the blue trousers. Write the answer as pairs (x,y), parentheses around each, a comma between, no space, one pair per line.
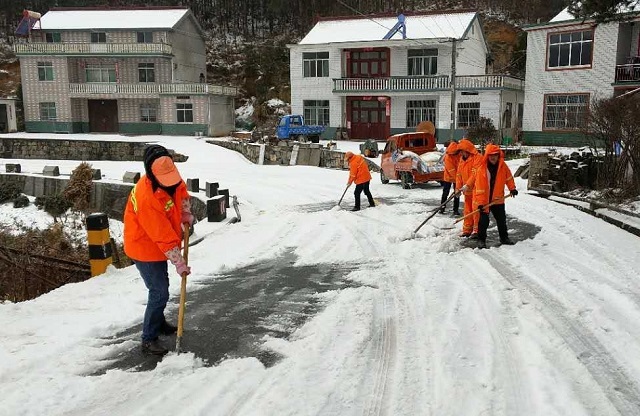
(156,277)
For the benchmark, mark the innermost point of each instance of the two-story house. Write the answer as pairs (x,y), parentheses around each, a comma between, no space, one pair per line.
(376,76)
(570,63)
(132,71)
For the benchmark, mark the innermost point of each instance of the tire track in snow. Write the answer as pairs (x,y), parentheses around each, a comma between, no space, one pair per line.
(621,390)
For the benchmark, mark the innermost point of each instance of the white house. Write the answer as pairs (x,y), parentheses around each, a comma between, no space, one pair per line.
(361,74)
(571,62)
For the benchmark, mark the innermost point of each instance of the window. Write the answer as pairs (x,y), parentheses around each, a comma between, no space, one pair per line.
(570,49)
(565,112)
(520,115)
(146,73)
(148,113)
(101,73)
(185,113)
(468,114)
(52,37)
(48,112)
(145,37)
(508,115)
(419,111)
(316,112)
(45,71)
(315,64)
(423,62)
(98,37)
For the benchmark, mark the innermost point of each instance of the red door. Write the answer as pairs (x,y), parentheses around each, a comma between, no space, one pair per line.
(369,119)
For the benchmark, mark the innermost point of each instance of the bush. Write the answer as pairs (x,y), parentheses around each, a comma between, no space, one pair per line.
(21,201)
(54,205)
(9,191)
(78,190)
(482,132)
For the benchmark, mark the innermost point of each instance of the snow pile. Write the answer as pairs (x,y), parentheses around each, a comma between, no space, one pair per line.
(244,114)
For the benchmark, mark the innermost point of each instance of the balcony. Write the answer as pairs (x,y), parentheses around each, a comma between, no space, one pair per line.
(628,74)
(43,48)
(425,84)
(143,89)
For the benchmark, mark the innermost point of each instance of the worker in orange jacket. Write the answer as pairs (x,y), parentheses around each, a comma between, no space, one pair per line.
(488,187)
(156,211)
(360,175)
(451,160)
(469,162)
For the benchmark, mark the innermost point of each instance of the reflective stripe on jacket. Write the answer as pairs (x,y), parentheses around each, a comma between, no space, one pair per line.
(359,170)
(152,221)
(467,170)
(481,183)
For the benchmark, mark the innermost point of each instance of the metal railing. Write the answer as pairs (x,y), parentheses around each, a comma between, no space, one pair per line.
(429,83)
(92,48)
(628,73)
(148,89)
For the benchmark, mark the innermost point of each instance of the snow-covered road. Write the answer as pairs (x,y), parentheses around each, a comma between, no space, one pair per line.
(407,327)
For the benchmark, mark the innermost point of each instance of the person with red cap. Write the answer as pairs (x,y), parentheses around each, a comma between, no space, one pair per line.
(488,186)
(154,217)
(360,175)
(451,160)
(470,160)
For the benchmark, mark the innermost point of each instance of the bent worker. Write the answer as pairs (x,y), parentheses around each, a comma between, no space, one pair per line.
(360,175)
(451,160)
(488,188)
(469,162)
(156,211)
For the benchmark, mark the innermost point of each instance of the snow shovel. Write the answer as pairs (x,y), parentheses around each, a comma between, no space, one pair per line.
(497,201)
(435,211)
(183,290)
(343,194)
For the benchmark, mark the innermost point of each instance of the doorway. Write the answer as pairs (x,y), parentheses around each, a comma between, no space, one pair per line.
(103,116)
(368,117)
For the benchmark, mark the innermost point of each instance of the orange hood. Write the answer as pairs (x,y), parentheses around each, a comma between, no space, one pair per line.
(467,146)
(452,149)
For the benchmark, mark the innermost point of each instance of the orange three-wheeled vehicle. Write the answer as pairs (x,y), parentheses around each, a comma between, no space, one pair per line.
(411,158)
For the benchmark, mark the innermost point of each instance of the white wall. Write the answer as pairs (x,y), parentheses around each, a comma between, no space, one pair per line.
(472,52)
(596,81)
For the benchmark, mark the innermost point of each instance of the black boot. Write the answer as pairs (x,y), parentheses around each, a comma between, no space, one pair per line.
(355,209)
(482,244)
(507,242)
(168,329)
(442,210)
(153,348)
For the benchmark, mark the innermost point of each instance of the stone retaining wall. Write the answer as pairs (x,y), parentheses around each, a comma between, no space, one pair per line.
(308,154)
(109,198)
(19,148)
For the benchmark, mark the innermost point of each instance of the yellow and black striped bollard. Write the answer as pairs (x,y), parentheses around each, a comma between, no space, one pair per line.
(100,253)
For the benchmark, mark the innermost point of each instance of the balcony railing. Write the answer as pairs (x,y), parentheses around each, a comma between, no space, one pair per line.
(628,73)
(420,84)
(44,48)
(83,90)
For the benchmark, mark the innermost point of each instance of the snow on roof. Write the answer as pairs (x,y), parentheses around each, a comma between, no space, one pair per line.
(435,26)
(111,19)
(565,15)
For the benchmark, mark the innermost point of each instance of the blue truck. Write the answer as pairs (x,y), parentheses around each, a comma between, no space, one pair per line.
(292,127)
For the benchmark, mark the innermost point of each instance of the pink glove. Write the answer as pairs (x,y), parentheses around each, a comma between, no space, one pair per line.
(182,268)
(187,218)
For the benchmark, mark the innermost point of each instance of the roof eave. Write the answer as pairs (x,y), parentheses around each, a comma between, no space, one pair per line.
(189,15)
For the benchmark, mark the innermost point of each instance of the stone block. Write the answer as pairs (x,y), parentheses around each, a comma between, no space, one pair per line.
(131,177)
(51,171)
(216,209)
(211,188)
(96,174)
(225,193)
(193,185)
(13,168)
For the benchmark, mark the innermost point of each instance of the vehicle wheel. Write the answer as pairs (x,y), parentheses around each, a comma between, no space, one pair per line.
(383,178)
(315,139)
(302,139)
(406,180)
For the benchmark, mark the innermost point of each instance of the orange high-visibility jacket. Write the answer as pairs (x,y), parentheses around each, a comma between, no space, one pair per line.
(451,161)
(358,170)
(466,170)
(481,184)
(152,221)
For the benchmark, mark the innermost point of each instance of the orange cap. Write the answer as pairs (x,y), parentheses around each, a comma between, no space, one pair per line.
(467,146)
(165,171)
(348,155)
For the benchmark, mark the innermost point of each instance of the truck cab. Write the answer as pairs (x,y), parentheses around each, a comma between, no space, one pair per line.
(292,127)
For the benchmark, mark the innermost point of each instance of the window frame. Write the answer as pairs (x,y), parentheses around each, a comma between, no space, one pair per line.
(151,115)
(56,37)
(147,68)
(318,64)
(47,106)
(45,71)
(423,110)
(569,66)
(316,113)
(98,37)
(564,129)
(422,59)
(468,111)
(184,109)
(101,69)
(508,116)
(144,34)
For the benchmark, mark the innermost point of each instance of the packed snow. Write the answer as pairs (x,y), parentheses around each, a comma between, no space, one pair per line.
(424,326)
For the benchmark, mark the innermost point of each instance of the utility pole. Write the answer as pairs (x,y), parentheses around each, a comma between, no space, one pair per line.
(454,109)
